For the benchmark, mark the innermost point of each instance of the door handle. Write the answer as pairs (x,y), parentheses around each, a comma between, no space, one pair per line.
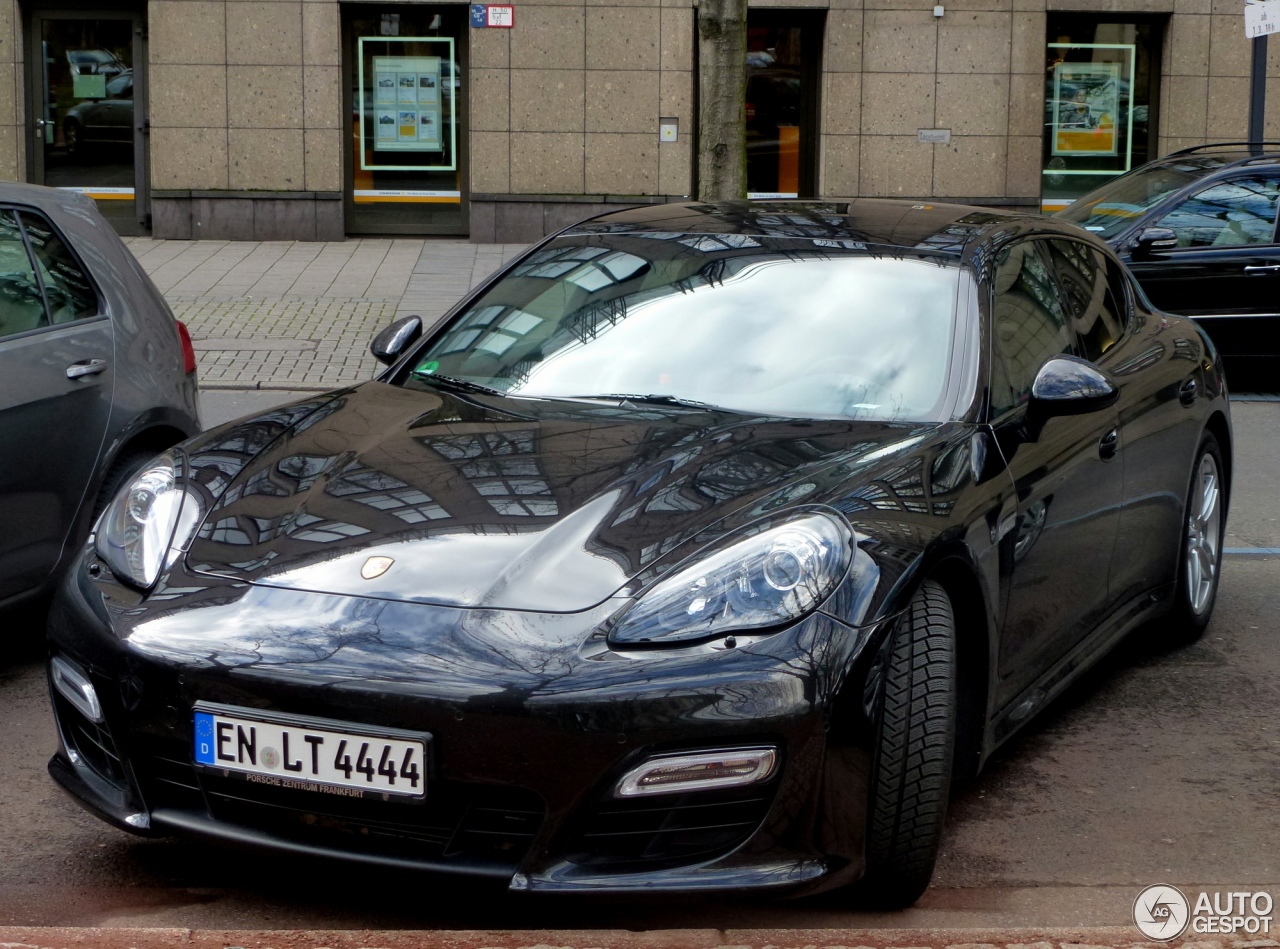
(88,367)
(1108,444)
(1261,268)
(1187,394)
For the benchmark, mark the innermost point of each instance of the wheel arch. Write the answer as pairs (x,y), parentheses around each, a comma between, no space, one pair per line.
(1218,426)
(973,659)
(157,436)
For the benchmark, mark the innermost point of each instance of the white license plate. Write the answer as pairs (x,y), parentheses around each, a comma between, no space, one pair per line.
(352,761)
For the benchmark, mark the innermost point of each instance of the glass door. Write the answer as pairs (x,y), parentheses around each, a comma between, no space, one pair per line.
(784,49)
(407,146)
(1101,92)
(87,104)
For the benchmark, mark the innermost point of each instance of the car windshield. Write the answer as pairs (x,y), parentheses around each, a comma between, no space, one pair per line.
(1112,208)
(719,321)
(90,56)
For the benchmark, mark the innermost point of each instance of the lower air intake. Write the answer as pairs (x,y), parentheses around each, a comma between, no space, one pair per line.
(669,830)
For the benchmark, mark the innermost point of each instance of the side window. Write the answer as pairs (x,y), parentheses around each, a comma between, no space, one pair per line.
(1095,310)
(21,306)
(1228,214)
(121,87)
(1029,321)
(69,292)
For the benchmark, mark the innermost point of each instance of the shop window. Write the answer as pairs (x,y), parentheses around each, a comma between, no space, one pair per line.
(1101,93)
(784,49)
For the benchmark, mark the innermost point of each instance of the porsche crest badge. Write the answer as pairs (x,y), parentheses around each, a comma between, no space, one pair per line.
(375,567)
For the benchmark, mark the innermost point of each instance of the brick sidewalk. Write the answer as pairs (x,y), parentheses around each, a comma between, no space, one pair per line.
(301,315)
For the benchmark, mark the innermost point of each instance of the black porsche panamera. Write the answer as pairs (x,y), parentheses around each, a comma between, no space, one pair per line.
(700,548)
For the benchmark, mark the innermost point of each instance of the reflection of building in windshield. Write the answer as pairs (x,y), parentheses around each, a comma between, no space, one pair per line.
(583,320)
(495,328)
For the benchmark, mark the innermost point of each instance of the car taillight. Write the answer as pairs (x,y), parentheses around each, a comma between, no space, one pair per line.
(188,351)
(751,110)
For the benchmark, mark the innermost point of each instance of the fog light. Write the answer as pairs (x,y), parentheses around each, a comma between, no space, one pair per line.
(73,686)
(672,774)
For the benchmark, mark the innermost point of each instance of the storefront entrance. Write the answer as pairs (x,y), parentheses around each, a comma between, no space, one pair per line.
(405,71)
(784,68)
(1102,89)
(86,101)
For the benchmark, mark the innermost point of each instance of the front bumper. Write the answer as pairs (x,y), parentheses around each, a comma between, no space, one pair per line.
(531,729)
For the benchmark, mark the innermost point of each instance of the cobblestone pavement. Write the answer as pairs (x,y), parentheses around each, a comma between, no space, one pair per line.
(300,315)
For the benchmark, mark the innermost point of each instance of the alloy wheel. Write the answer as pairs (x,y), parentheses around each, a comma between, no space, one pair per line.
(1204,534)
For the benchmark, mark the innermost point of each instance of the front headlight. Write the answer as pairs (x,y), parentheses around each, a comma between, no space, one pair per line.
(772,577)
(145,521)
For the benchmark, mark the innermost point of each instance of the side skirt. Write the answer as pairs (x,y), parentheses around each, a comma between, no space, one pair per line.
(1141,609)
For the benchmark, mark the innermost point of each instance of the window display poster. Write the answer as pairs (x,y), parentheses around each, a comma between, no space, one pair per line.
(407,103)
(1086,108)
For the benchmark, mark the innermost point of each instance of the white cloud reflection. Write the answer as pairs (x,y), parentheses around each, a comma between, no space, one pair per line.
(859,337)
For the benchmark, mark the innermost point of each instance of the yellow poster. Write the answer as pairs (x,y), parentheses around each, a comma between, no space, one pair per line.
(1086,108)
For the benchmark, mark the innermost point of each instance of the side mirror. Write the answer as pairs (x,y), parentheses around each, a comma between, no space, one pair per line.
(1067,385)
(1152,240)
(390,344)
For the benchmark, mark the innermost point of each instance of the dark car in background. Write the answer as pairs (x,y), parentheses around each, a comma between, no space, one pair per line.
(109,119)
(96,377)
(1198,230)
(699,549)
(94,62)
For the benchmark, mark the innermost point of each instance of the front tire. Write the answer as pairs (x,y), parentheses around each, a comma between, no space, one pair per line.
(1203,527)
(915,719)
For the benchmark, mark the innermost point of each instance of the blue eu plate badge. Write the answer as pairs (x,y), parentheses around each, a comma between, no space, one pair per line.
(204,738)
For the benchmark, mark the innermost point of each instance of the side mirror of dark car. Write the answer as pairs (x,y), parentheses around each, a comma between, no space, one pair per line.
(1066,385)
(390,344)
(1152,240)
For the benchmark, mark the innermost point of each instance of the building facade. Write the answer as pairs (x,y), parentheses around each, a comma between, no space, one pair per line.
(313,119)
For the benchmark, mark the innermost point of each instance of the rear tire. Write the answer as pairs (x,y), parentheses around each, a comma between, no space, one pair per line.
(915,744)
(71,136)
(1204,521)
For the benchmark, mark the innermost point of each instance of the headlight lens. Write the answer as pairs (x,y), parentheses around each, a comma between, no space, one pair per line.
(772,577)
(145,520)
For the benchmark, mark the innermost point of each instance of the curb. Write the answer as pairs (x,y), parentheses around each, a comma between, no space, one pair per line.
(31,937)
(267,387)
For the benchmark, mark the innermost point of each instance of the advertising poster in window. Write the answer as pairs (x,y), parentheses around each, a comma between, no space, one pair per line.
(407,87)
(1086,108)
(407,103)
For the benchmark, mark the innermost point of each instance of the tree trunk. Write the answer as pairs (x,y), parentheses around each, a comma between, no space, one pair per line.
(722,97)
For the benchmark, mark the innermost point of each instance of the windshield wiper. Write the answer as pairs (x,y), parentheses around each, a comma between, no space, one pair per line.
(453,382)
(651,399)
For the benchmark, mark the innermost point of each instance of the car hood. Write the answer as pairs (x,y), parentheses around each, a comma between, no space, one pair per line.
(429,497)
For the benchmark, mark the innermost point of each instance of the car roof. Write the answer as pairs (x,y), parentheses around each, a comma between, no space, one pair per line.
(912,225)
(1203,160)
(54,200)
